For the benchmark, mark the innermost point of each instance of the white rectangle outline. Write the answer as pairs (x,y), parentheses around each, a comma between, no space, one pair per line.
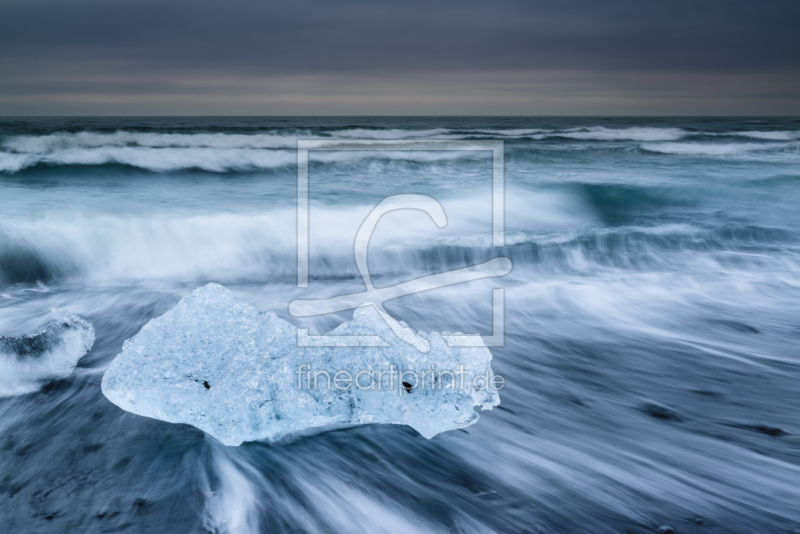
(364,145)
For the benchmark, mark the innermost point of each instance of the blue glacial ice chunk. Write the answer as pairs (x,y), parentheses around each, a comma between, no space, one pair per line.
(48,353)
(216,363)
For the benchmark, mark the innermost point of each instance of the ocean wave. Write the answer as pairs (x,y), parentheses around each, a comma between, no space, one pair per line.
(771,136)
(114,248)
(716,149)
(512,132)
(226,246)
(601,133)
(64,141)
(219,160)
(229,247)
(391,133)
(238,152)
(61,141)
(581,133)
(287,138)
(155,159)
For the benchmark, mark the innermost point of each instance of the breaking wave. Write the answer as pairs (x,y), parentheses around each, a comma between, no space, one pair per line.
(155,159)
(258,244)
(720,149)
(772,136)
(262,247)
(600,133)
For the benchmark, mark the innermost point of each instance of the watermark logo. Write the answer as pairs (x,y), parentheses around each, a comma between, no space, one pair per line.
(377,296)
(402,381)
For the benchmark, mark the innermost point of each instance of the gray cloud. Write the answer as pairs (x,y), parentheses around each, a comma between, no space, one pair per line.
(282,57)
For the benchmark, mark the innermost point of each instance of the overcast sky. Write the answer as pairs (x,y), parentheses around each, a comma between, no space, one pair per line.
(433,57)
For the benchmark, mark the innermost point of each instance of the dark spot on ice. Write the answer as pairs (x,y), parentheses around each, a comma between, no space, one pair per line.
(660,412)
(408,387)
(50,517)
(94,447)
(205,383)
(665,529)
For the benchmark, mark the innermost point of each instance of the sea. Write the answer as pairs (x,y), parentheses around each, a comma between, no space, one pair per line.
(651,325)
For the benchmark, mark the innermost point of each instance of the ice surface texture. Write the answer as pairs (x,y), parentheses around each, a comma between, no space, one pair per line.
(50,352)
(218,364)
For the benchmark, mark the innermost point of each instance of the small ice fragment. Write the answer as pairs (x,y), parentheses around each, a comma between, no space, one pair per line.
(50,352)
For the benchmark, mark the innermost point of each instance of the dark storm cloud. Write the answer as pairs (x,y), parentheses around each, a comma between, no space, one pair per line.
(102,47)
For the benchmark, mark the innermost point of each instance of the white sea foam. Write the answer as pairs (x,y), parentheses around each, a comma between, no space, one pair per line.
(61,141)
(514,132)
(15,162)
(232,507)
(592,133)
(211,159)
(771,136)
(394,133)
(155,159)
(709,149)
(601,133)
